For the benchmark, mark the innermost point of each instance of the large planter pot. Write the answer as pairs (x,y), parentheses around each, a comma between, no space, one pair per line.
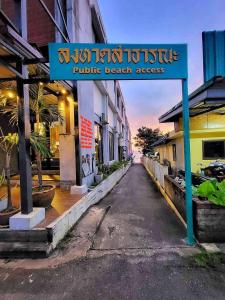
(44,197)
(4,216)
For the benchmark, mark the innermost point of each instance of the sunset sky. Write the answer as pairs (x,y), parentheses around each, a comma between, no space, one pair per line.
(154,21)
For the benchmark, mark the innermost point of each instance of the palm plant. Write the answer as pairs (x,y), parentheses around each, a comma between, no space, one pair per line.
(44,114)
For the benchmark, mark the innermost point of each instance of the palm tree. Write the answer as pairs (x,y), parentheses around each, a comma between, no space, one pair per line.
(44,114)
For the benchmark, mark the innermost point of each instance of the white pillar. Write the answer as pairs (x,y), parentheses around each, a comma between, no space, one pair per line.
(67,143)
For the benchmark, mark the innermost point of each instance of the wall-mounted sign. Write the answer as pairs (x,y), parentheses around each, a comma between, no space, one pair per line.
(117,61)
(86,133)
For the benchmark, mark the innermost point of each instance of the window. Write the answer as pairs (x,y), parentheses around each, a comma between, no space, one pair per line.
(98,144)
(174,152)
(213,149)
(111,146)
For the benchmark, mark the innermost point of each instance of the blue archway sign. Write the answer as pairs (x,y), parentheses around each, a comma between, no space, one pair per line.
(77,61)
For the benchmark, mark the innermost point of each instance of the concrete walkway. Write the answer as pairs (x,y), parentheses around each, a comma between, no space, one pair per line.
(139,216)
(137,253)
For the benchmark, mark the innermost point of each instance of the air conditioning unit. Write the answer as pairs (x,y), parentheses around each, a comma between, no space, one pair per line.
(103,119)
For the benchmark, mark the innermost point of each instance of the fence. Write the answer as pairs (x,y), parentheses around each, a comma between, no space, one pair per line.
(156,169)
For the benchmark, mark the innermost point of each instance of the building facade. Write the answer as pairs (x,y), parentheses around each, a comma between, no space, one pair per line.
(207,114)
(207,129)
(95,129)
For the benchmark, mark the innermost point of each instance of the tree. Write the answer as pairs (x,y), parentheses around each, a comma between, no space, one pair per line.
(146,137)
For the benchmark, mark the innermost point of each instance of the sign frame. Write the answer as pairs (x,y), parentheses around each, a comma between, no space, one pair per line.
(172,57)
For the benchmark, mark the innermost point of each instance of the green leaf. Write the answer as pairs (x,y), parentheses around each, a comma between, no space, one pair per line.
(218,197)
(40,144)
(221,185)
(205,189)
(194,191)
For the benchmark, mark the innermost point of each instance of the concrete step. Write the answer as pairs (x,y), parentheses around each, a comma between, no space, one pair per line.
(24,249)
(36,235)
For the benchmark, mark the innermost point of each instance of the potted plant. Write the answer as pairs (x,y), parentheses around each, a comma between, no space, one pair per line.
(99,174)
(43,114)
(7,144)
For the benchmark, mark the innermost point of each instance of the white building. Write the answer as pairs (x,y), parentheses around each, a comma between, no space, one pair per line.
(95,129)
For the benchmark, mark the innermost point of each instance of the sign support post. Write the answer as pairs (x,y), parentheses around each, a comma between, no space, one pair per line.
(187,158)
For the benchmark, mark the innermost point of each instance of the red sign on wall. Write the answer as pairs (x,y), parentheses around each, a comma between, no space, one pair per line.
(86,133)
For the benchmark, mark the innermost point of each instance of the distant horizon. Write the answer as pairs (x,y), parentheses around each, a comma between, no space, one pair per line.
(133,22)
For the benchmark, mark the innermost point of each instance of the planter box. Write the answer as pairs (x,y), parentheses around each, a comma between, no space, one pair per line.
(209,219)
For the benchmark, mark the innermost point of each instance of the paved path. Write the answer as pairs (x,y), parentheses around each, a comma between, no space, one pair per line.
(139,216)
(136,254)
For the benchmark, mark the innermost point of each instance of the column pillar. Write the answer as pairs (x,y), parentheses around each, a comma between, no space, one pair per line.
(24,120)
(67,143)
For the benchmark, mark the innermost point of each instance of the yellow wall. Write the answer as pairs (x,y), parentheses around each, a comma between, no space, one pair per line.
(166,152)
(196,151)
(206,121)
(207,127)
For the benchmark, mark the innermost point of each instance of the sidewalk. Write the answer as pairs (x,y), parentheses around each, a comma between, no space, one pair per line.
(139,216)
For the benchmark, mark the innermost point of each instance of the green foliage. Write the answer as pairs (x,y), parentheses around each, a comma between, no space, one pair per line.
(145,138)
(43,112)
(204,189)
(7,142)
(47,113)
(117,165)
(209,259)
(40,144)
(213,190)
(107,170)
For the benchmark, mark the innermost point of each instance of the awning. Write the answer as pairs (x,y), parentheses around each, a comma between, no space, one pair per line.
(208,97)
(13,50)
(162,141)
